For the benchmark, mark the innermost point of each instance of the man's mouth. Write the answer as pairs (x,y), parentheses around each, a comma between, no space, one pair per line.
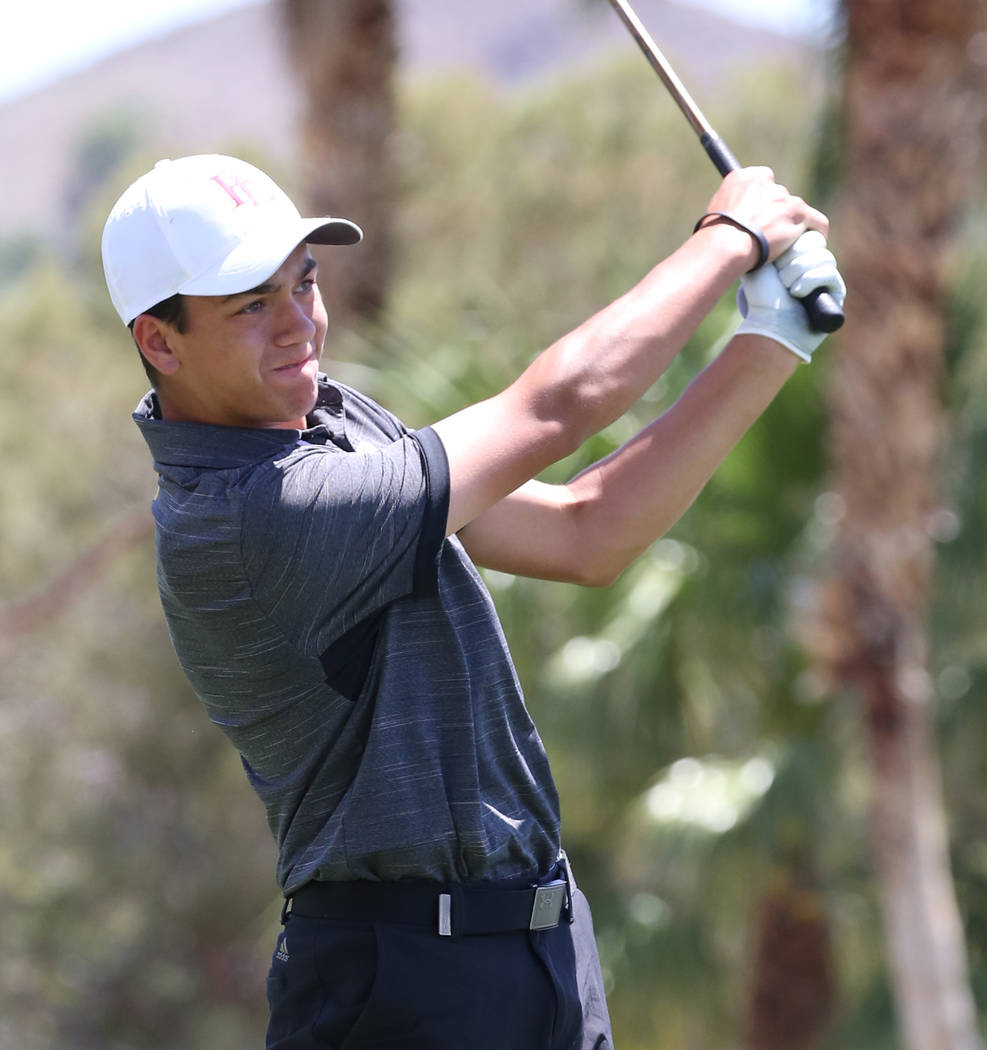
(294,367)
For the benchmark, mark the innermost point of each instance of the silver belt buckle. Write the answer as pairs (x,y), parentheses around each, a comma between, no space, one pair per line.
(445,915)
(547,906)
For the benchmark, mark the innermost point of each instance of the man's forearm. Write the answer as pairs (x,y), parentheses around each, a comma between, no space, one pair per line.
(632,497)
(606,364)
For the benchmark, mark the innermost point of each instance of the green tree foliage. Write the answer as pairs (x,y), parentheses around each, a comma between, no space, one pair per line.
(696,763)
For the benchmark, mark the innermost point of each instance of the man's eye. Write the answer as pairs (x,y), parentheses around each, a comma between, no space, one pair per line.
(307,285)
(252,308)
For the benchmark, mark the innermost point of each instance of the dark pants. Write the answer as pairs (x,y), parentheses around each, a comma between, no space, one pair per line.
(337,985)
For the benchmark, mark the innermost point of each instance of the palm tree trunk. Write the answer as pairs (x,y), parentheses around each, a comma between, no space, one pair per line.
(913,112)
(790,1001)
(344,52)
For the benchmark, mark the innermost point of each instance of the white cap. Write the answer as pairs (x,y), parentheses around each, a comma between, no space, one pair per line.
(204,225)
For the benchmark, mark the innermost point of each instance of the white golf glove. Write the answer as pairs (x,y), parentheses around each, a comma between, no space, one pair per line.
(765,297)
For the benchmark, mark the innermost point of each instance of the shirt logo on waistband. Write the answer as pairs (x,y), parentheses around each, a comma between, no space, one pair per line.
(282,953)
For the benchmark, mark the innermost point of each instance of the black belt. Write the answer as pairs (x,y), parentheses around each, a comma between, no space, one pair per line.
(448,908)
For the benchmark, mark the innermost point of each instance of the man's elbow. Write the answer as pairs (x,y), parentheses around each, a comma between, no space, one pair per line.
(597,568)
(566,406)
(599,580)
(591,554)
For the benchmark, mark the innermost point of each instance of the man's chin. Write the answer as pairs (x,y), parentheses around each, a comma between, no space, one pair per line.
(311,401)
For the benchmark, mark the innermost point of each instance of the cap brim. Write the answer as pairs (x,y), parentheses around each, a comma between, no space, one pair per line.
(334,231)
(252,263)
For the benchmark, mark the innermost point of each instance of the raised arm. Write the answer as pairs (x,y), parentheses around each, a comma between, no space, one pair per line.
(590,529)
(591,376)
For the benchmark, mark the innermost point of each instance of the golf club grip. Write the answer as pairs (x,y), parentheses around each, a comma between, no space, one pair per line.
(825,313)
(823,310)
(719,153)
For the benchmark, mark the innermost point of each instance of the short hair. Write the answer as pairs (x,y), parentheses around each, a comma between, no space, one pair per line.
(172,311)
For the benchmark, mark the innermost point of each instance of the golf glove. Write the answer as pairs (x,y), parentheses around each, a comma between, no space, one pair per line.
(768,297)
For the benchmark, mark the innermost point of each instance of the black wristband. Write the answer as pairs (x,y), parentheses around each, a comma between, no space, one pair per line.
(762,241)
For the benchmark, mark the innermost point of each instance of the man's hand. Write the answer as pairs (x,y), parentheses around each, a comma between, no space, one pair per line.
(768,298)
(753,197)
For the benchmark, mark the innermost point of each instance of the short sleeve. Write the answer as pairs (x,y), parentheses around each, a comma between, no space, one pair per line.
(330,537)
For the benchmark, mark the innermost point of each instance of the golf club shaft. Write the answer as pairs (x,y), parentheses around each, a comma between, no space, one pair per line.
(825,314)
(717,149)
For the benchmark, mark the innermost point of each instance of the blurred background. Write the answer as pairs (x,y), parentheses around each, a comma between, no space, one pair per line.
(767,735)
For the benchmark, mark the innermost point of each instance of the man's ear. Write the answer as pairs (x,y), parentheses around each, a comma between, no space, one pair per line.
(155,338)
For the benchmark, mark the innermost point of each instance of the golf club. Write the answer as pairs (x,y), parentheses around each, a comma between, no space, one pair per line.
(824,312)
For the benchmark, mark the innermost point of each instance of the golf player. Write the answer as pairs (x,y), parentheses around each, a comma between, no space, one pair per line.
(316,567)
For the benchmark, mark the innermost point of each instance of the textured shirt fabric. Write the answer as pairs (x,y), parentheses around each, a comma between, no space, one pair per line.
(349,651)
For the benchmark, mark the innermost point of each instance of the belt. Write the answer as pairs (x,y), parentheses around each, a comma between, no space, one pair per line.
(451,909)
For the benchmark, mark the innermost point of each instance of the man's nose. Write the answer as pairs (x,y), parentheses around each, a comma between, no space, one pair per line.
(295,324)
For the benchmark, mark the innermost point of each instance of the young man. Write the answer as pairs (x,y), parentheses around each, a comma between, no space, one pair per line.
(316,567)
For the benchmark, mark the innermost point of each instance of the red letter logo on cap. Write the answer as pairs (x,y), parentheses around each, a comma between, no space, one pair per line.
(239,189)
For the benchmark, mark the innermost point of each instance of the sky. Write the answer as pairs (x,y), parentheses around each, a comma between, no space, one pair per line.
(42,41)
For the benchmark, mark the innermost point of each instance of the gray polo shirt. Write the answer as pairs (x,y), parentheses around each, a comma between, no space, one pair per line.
(349,651)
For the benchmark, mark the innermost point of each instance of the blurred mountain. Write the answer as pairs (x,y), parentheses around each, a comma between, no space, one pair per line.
(217,84)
